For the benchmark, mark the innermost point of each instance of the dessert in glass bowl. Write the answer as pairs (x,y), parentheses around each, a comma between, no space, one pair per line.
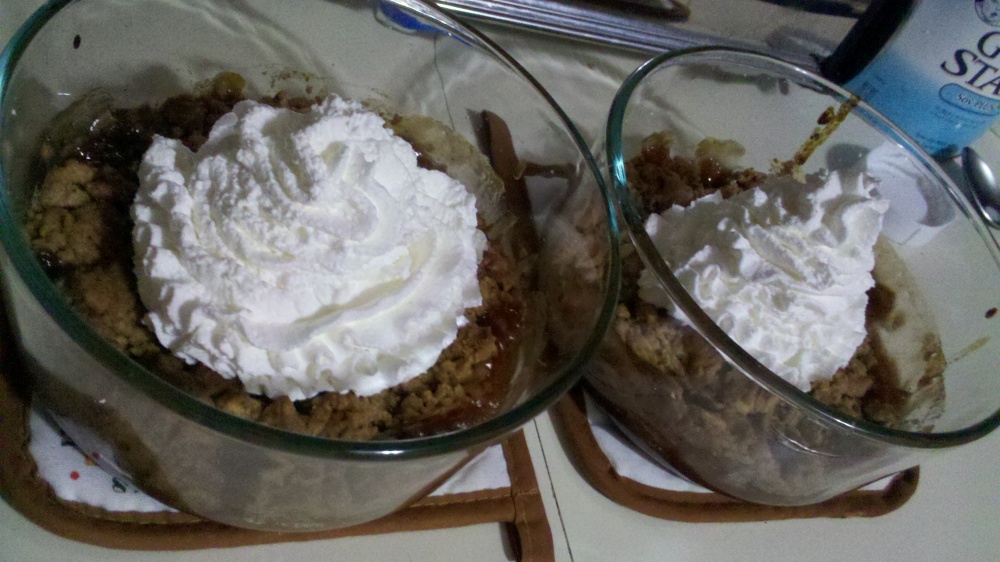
(787,336)
(338,286)
(83,79)
(795,271)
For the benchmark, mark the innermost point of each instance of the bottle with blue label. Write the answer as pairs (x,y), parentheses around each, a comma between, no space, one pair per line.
(931,66)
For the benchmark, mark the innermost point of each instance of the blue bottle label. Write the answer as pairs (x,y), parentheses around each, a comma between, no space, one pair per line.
(938,79)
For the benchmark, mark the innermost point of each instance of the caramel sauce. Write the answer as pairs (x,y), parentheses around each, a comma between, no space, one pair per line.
(881,301)
(885,389)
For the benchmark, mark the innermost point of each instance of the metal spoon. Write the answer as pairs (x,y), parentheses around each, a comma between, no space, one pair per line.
(985,191)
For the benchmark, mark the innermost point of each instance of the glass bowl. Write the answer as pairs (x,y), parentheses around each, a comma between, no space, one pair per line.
(186,452)
(737,427)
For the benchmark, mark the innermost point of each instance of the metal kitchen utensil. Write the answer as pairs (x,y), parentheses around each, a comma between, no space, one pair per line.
(984,189)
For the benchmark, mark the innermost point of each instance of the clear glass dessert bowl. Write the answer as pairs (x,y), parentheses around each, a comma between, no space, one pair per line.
(74,61)
(711,410)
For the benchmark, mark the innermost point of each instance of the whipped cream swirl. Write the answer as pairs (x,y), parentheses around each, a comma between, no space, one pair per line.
(304,252)
(783,269)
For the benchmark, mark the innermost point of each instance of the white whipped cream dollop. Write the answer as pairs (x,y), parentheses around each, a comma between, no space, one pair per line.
(304,252)
(783,269)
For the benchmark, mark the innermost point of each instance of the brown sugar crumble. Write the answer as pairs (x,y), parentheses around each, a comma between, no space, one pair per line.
(80,229)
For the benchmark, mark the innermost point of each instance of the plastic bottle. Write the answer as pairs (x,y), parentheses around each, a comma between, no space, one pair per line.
(931,66)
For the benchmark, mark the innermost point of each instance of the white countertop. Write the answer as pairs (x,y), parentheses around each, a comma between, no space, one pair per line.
(954,515)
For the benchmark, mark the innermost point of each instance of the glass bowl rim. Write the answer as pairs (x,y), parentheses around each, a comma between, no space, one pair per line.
(42,289)
(702,323)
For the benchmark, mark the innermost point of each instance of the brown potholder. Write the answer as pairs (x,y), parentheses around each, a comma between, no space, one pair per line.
(519,507)
(570,415)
